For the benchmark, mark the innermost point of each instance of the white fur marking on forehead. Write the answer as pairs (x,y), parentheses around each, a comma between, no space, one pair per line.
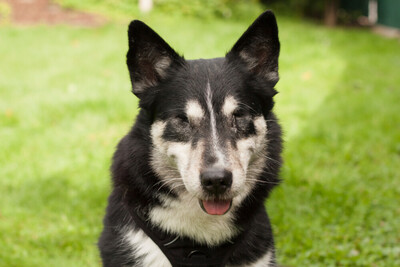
(230,104)
(194,110)
(216,147)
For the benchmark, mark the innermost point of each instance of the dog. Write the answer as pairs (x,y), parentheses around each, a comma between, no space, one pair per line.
(191,177)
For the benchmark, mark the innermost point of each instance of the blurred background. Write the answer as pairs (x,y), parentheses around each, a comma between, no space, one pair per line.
(65,102)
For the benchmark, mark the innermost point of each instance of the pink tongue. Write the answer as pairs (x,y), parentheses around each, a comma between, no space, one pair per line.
(216,207)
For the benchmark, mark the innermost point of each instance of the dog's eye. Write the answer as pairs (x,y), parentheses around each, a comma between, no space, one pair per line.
(182,119)
(239,113)
(240,120)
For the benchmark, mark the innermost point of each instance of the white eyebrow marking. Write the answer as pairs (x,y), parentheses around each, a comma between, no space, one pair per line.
(230,104)
(194,111)
(217,149)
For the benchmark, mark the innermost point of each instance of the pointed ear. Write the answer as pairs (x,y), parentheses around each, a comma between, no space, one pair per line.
(258,48)
(149,58)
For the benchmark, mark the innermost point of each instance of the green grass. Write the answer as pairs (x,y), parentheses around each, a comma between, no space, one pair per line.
(65,102)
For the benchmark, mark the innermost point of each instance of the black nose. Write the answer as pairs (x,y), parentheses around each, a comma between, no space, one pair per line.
(216,181)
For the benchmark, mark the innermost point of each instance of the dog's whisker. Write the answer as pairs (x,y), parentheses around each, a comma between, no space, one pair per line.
(169,180)
(247,106)
(175,187)
(272,160)
(168,183)
(261,182)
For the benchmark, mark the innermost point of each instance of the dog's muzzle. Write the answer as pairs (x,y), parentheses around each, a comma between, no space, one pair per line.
(215,182)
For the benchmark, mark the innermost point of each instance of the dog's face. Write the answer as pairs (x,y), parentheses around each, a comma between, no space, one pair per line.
(209,117)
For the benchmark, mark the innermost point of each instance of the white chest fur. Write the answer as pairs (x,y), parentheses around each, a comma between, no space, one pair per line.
(145,249)
(149,254)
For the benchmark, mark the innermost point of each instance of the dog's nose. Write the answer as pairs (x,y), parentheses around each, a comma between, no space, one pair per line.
(216,181)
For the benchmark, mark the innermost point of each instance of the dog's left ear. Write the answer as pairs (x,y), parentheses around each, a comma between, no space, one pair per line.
(258,48)
(149,58)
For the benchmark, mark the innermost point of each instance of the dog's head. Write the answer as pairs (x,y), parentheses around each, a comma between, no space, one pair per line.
(209,118)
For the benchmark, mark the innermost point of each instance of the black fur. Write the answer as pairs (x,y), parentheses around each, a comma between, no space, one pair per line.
(164,90)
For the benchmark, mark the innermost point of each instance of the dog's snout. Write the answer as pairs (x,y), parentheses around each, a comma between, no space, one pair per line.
(216,181)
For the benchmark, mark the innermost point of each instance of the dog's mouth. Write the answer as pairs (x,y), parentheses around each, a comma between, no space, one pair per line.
(216,206)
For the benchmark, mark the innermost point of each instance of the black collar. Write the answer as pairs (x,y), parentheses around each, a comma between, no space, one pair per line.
(182,251)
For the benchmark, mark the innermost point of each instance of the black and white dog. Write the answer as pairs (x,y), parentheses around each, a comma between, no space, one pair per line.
(191,177)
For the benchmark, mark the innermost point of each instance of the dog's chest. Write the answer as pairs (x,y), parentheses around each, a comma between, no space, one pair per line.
(147,253)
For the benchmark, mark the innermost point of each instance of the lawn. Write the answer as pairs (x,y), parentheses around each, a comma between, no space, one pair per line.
(65,102)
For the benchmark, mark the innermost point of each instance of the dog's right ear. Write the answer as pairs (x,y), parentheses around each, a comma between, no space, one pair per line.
(149,58)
